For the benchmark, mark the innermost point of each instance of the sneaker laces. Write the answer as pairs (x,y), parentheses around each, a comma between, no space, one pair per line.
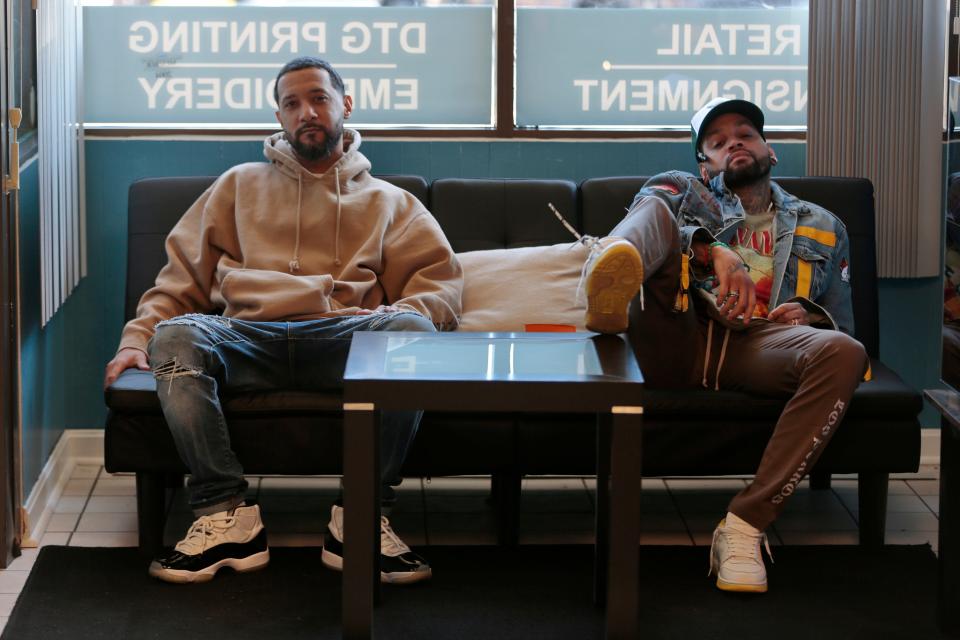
(390,543)
(202,530)
(739,545)
(593,244)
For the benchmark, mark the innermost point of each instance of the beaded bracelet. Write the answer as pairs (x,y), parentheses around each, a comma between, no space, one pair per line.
(742,265)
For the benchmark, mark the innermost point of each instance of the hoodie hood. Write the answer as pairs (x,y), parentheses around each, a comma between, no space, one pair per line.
(350,169)
(353,163)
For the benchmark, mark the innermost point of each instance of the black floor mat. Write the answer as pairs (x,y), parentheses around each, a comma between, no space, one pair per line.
(816,593)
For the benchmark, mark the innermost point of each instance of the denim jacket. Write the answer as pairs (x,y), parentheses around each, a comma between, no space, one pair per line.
(811,255)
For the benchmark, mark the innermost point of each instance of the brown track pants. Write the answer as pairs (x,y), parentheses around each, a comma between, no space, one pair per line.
(821,368)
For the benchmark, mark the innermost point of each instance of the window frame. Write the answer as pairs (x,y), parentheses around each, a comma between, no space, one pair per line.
(24,56)
(504,129)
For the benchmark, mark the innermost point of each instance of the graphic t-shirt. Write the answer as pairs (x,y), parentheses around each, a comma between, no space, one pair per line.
(754,243)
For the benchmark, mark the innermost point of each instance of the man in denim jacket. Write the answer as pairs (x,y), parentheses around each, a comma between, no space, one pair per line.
(741,286)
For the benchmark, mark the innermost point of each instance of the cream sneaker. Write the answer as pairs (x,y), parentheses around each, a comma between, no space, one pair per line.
(735,556)
(613,276)
(398,564)
(234,539)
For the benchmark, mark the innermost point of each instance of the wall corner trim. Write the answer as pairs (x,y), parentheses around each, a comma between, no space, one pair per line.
(930,446)
(75,447)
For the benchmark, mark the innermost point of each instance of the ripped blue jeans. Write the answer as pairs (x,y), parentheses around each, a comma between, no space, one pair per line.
(198,358)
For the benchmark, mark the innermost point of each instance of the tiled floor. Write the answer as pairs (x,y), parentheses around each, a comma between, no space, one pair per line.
(99,509)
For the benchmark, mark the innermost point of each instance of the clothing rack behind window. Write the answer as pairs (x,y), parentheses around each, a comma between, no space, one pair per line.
(63,260)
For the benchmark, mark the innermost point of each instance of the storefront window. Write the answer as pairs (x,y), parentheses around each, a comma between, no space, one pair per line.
(594,65)
(214,66)
(641,64)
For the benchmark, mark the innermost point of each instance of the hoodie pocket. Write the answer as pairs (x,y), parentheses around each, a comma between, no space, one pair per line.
(254,294)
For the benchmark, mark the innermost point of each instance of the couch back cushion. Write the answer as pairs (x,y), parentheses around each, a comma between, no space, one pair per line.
(154,205)
(605,200)
(851,200)
(497,214)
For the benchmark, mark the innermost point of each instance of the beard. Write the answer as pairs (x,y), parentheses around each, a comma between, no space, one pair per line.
(749,174)
(313,151)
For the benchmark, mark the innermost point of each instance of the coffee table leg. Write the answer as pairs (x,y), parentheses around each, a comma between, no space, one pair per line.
(361,526)
(601,548)
(623,590)
(948,593)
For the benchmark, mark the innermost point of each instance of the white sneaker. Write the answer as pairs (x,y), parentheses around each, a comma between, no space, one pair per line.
(613,276)
(736,557)
(398,564)
(235,539)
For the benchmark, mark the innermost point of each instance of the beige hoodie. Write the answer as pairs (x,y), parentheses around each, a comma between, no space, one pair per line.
(274,242)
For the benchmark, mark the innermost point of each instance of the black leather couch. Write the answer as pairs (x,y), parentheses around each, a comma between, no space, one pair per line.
(688,432)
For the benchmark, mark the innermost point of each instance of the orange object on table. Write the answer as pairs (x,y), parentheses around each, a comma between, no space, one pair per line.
(550,328)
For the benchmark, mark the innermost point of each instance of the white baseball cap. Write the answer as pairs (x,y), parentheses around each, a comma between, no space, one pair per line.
(718,107)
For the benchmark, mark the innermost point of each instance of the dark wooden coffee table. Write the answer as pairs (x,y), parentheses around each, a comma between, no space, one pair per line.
(509,372)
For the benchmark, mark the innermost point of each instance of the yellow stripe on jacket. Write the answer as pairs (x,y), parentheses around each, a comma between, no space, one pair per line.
(804,277)
(828,238)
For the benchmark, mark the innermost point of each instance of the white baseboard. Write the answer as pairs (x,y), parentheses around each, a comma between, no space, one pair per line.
(930,446)
(75,447)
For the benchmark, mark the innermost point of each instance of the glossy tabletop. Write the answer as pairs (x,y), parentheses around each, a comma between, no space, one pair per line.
(511,371)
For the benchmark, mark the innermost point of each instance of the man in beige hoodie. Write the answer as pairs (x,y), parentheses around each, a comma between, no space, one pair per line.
(268,275)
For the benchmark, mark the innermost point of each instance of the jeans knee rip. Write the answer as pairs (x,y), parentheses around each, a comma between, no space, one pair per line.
(172,369)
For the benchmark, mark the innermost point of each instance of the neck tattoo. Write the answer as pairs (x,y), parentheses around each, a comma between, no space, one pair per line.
(756,200)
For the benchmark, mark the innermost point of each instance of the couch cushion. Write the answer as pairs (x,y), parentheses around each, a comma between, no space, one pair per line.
(604,201)
(495,214)
(154,205)
(506,289)
(135,391)
(885,397)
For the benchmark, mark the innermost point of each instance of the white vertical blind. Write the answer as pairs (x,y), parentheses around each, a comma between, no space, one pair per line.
(875,110)
(60,134)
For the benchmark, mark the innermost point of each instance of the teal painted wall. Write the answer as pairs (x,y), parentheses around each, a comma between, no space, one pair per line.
(911,317)
(65,360)
(44,351)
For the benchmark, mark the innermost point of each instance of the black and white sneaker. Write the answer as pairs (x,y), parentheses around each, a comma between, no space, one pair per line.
(398,564)
(234,539)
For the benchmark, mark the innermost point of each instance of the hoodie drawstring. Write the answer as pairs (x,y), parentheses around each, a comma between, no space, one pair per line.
(706,356)
(295,263)
(336,245)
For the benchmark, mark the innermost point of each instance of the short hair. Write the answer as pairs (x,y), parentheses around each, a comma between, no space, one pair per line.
(308,62)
